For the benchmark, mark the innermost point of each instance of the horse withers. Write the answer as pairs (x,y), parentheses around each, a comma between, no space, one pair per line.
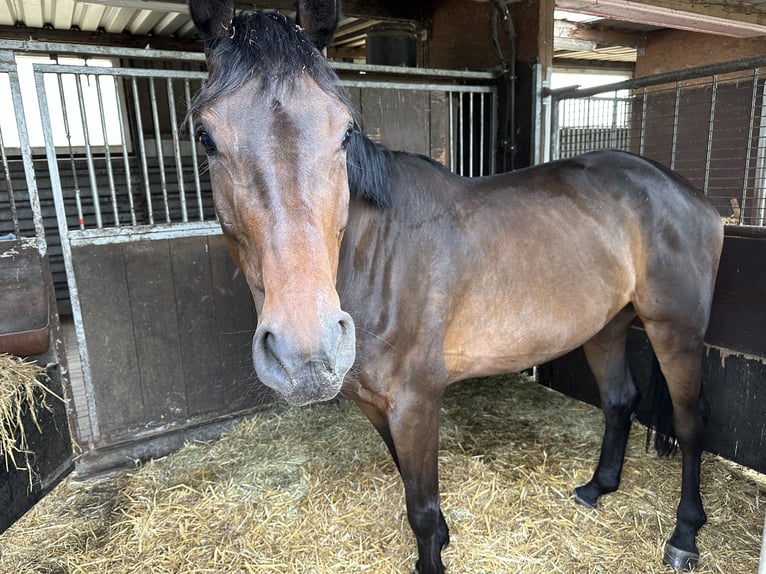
(382,275)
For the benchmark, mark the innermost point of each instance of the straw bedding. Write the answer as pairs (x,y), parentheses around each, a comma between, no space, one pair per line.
(22,393)
(313,490)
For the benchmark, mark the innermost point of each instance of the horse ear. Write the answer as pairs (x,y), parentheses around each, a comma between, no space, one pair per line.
(319,19)
(211,17)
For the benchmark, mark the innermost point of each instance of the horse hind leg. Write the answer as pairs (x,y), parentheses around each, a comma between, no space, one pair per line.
(679,348)
(607,358)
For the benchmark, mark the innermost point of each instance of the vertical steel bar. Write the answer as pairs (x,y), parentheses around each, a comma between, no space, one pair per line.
(481,134)
(26,155)
(107,152)
(451,134)
(88,151)
(66,249)
(555,128)
(493,134)
(461,159)
(470,134)
(760,171)
(711,123)
(142,149)
(9,189)
(644,105)
(675,127)
(748,153)
(613,132)
(177,149)
(762,562)
(195,162)
(73,166)
(125,154)
(160,153)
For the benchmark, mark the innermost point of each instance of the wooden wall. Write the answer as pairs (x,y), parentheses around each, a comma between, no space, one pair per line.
(168,325)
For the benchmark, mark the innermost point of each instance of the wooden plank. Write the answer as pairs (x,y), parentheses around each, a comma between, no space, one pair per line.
(196,324)
(398,118)
(738,317)
(155,324)
(235,327)
(734,386)
(439,127)
(102,286)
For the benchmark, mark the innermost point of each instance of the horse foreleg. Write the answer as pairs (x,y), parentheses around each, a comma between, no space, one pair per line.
(413,422)
(379,420)
(608,361)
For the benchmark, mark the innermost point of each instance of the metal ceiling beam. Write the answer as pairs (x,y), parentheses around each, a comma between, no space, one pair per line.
(725,17)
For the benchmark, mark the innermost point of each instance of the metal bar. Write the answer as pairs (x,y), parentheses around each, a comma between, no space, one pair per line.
(644,105)
(493,130)
(142,149)
(481,136)
(177,149)
(748,152)
(666,77)
(107,153)
(26,155)
(195,162)
(110,236)
(9,189)
(711,122)
(461,159)
(158,146)
(122,72)
(613,131)
(72,165)
(88,154)
(470,135)
(675,127)
(66,249)
(760,171)
(125,156)
(451,134)
(413,86)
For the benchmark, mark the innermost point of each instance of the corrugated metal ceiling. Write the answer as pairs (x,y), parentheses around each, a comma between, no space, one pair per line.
(170,18)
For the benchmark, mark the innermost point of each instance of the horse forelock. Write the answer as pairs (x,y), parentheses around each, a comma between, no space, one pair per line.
(267,47)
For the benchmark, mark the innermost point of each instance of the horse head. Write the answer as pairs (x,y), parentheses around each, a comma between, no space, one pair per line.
(275,128)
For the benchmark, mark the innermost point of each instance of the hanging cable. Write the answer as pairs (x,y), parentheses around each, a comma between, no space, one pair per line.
(508,74)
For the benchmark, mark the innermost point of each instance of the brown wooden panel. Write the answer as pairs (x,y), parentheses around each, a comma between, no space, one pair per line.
(439,124)
(102,286)
(155,324)
(738,318)
(397,118)
(236,325)
(196,324)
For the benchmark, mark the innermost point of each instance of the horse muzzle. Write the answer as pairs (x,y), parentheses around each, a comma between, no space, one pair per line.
(305,372)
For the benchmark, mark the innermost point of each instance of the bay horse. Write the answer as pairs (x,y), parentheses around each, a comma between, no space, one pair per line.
(383,276)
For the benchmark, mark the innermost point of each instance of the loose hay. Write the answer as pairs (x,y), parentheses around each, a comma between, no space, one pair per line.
(22,393)
(313,490)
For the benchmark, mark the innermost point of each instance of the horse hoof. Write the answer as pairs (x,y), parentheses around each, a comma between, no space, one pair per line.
(680,559)
(582,500)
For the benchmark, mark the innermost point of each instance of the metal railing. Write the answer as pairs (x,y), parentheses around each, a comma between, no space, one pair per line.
(706,123)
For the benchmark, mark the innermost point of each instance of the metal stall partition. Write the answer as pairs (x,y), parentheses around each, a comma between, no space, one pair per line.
(161,320)
(448,115)
(29,326)
(709,125)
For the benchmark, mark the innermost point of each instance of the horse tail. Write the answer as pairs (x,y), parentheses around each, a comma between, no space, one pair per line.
(661,417)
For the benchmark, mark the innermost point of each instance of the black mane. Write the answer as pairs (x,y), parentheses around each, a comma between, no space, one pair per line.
(367,164)
(270,47)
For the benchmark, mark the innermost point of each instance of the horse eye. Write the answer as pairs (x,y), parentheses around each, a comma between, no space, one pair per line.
(346,138)
(206,141)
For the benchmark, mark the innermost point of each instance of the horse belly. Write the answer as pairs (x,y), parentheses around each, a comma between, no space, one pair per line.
(527,327)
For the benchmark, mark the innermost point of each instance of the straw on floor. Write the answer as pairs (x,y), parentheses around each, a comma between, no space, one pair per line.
(313,490)
(22,393)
